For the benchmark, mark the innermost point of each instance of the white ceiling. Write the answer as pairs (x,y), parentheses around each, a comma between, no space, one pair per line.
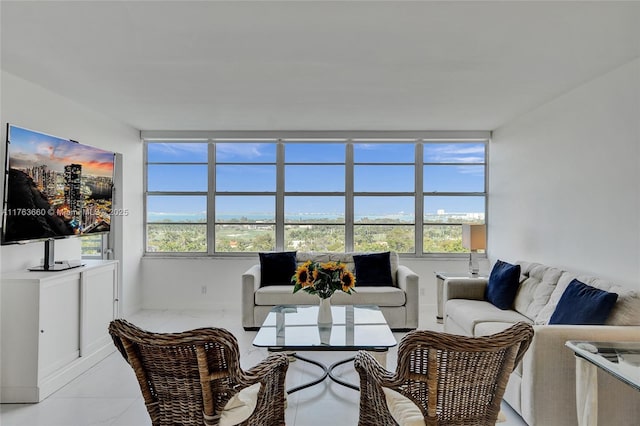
(305,65)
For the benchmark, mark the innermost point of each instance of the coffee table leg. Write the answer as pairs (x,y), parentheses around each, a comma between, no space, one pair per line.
(312,383)
(339,380)
(380,356)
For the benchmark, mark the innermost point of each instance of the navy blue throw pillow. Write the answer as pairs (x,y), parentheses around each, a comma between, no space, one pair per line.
(373,269)
(503,284)
(582,304)
(277,268)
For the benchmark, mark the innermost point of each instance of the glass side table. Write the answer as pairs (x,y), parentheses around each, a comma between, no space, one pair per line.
(620,359)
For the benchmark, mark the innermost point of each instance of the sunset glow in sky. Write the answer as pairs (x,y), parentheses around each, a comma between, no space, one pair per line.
(29,149)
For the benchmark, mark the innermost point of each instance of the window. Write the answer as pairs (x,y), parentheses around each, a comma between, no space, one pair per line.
(384,196)
(454,193)
(240,195)
(91,246)
(245,196)
(314,196)
(176,202)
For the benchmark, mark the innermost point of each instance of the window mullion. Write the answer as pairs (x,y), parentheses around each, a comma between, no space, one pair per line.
(280,195)
(145,200)
(348,198)
(211,197)
(419,198)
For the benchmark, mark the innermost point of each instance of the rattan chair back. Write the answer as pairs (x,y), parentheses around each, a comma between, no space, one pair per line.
(454,380)
(187,378)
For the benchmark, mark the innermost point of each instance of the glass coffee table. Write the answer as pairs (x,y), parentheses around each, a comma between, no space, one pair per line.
(290,328)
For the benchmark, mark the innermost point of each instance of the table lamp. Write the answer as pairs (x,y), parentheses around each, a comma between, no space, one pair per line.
(474,238)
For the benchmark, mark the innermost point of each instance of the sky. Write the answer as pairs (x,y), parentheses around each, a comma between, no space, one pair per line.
(312,167)
(28,148)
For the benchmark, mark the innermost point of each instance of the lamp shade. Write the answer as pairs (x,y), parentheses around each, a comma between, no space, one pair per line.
(474,237)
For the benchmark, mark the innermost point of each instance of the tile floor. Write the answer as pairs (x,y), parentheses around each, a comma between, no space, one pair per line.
(108,394)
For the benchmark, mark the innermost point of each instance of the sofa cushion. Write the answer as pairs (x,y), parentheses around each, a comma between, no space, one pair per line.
(503,284)
(469,314)
(488,328)
(537,282)
(346,258)
(373,269)
(625,312)
(282,295)
(583,304)
(277,268)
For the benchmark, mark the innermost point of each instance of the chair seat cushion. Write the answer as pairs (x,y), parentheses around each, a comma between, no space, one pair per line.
(404,411)
(240,406)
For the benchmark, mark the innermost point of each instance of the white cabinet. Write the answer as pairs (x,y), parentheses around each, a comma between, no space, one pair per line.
(54,327)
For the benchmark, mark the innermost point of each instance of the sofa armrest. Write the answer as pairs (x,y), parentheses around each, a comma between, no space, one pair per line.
(408,281)
(548,371)
(250,283)
(464,288)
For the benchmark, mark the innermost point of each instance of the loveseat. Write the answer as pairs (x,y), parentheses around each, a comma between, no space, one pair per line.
(542,388)
(398,301)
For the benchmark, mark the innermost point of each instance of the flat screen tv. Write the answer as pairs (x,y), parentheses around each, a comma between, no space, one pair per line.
(54,188)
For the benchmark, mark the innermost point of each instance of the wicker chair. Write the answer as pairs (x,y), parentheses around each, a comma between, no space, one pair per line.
(188,378)
(441,379)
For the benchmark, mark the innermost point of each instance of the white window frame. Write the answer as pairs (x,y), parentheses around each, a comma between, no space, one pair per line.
(343,137)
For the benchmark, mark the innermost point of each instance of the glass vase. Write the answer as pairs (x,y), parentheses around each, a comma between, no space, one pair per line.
(324,312)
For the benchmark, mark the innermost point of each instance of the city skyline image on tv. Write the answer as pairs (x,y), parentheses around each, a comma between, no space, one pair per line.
(54,187)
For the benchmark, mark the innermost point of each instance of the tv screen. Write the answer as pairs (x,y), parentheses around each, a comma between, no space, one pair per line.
(54,187)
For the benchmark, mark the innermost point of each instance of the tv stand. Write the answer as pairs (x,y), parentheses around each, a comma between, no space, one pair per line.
(58,266)
(54,327)
(50,264)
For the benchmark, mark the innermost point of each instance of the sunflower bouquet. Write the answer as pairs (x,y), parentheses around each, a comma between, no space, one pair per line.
(323,279)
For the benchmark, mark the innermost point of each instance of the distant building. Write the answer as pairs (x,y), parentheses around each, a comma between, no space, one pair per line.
(73,190)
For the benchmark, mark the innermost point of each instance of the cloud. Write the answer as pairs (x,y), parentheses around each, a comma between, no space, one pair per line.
(456,153)
(248,151)
(175,149)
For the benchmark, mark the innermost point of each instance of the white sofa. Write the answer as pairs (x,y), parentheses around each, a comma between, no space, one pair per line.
(399,303)
(542,388)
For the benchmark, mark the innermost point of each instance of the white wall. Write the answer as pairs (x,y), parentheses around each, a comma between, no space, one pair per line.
(171,283)
(565,181)
(27,105)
